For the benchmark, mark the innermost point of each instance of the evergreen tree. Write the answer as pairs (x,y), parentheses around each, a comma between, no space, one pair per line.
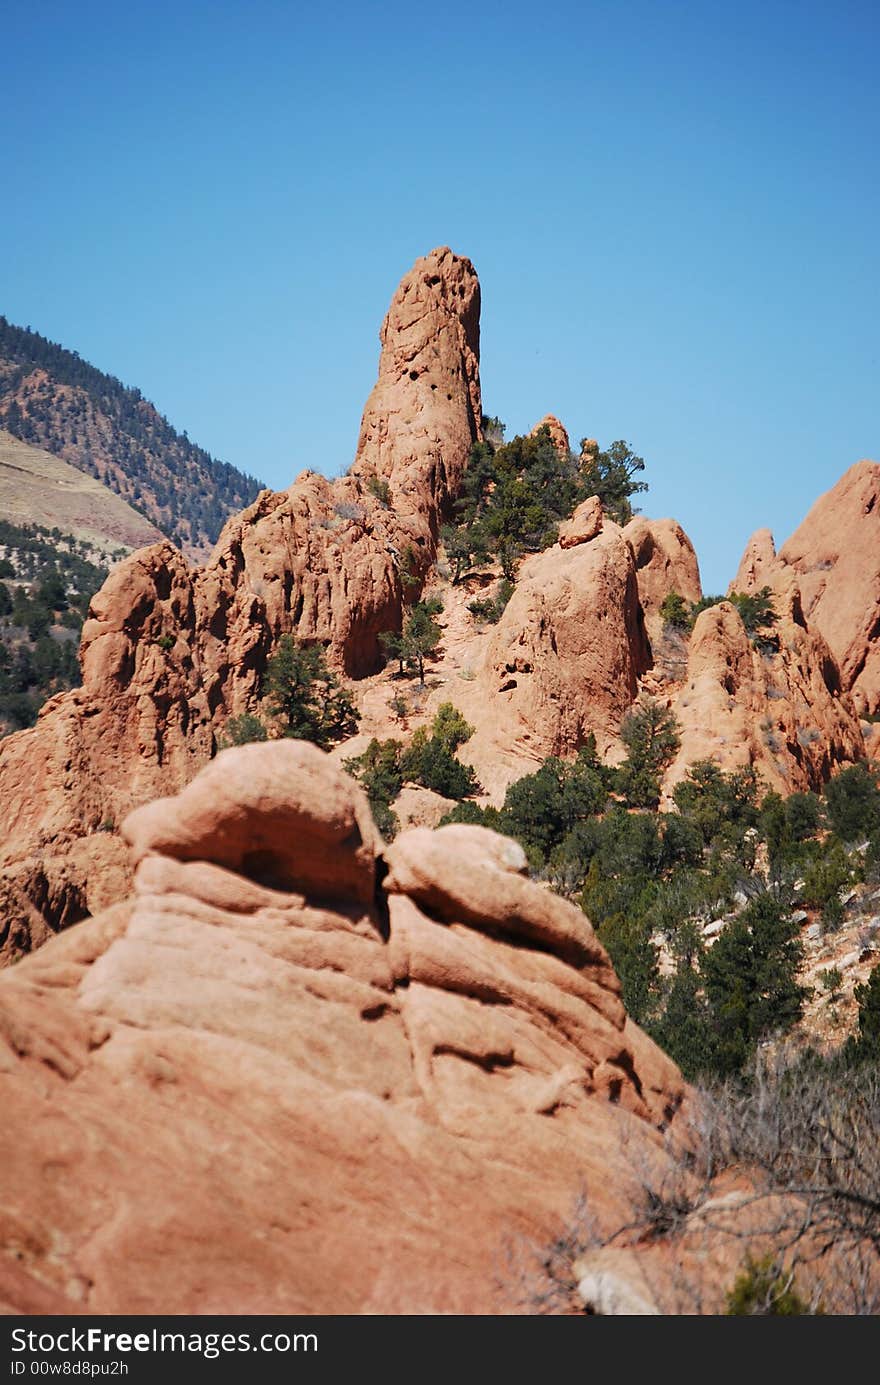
(865,1047)
(755,609)
(682,1029)
(635,960)
(650,734)
(243,730)
(610,475)
(378,769)
(853,803)
(306,696)
(419,637)
(674,611)
(750,978)
(542,808)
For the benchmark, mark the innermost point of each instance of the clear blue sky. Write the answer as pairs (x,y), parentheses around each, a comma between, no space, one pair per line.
(672,207)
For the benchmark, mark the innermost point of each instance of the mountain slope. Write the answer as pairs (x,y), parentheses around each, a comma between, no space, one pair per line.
(39,488)
(52,398)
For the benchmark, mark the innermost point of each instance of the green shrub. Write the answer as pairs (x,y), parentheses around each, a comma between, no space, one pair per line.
(763,1288)
(430,763)
(379,487)
(713,800)
(824,879)
(473,815)
(635,960)
(750,980)
(514,495)
(676,612)
(610,475)
(378,770)
(243,730)
(853,803)
(491,609)
(450,728)
(542,808)
(865,1046)
(832,981)
(755,609)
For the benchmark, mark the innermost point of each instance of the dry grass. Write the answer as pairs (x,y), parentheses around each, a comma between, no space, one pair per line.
(37,488)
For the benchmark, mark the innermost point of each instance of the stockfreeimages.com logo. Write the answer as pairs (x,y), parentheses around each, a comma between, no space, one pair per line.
(95,1341)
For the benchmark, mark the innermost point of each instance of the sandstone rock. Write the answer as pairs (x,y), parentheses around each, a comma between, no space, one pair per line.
(425,409)
(557,430)
(757,563)
(565,657)
(278,812)
(224,1097)
(486,890)
(665,562)
(834,557)
(170,652)
(585,523)
(418,807)
(781,709)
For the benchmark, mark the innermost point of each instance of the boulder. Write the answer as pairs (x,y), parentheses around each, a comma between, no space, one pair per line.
(665,562)
(585,523)
(240,1092)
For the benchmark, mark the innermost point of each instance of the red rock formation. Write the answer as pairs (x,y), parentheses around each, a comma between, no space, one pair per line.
(169,652)
(260,1084)
(757,563)
(566,655)
(778,707)
(665,562)
(585,523)
(558,433)
(835,559)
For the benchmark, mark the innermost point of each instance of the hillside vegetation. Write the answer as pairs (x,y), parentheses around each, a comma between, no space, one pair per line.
(47,580)
(50,397)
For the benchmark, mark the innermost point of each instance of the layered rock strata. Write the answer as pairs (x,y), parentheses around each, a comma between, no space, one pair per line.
(291,1074)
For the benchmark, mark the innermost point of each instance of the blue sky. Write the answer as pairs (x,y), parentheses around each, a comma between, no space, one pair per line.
(672,207)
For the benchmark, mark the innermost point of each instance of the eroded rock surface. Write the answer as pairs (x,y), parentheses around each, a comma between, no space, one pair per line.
(286,1076)
(777,704)
(665,562)
(565,658)
(834,557)
(558,433)
(171,652)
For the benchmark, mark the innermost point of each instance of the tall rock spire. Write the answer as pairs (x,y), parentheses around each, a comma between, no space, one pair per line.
(170,652)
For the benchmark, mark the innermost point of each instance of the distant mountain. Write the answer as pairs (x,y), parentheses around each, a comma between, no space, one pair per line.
(53,399)
(37,488)
(60,532)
